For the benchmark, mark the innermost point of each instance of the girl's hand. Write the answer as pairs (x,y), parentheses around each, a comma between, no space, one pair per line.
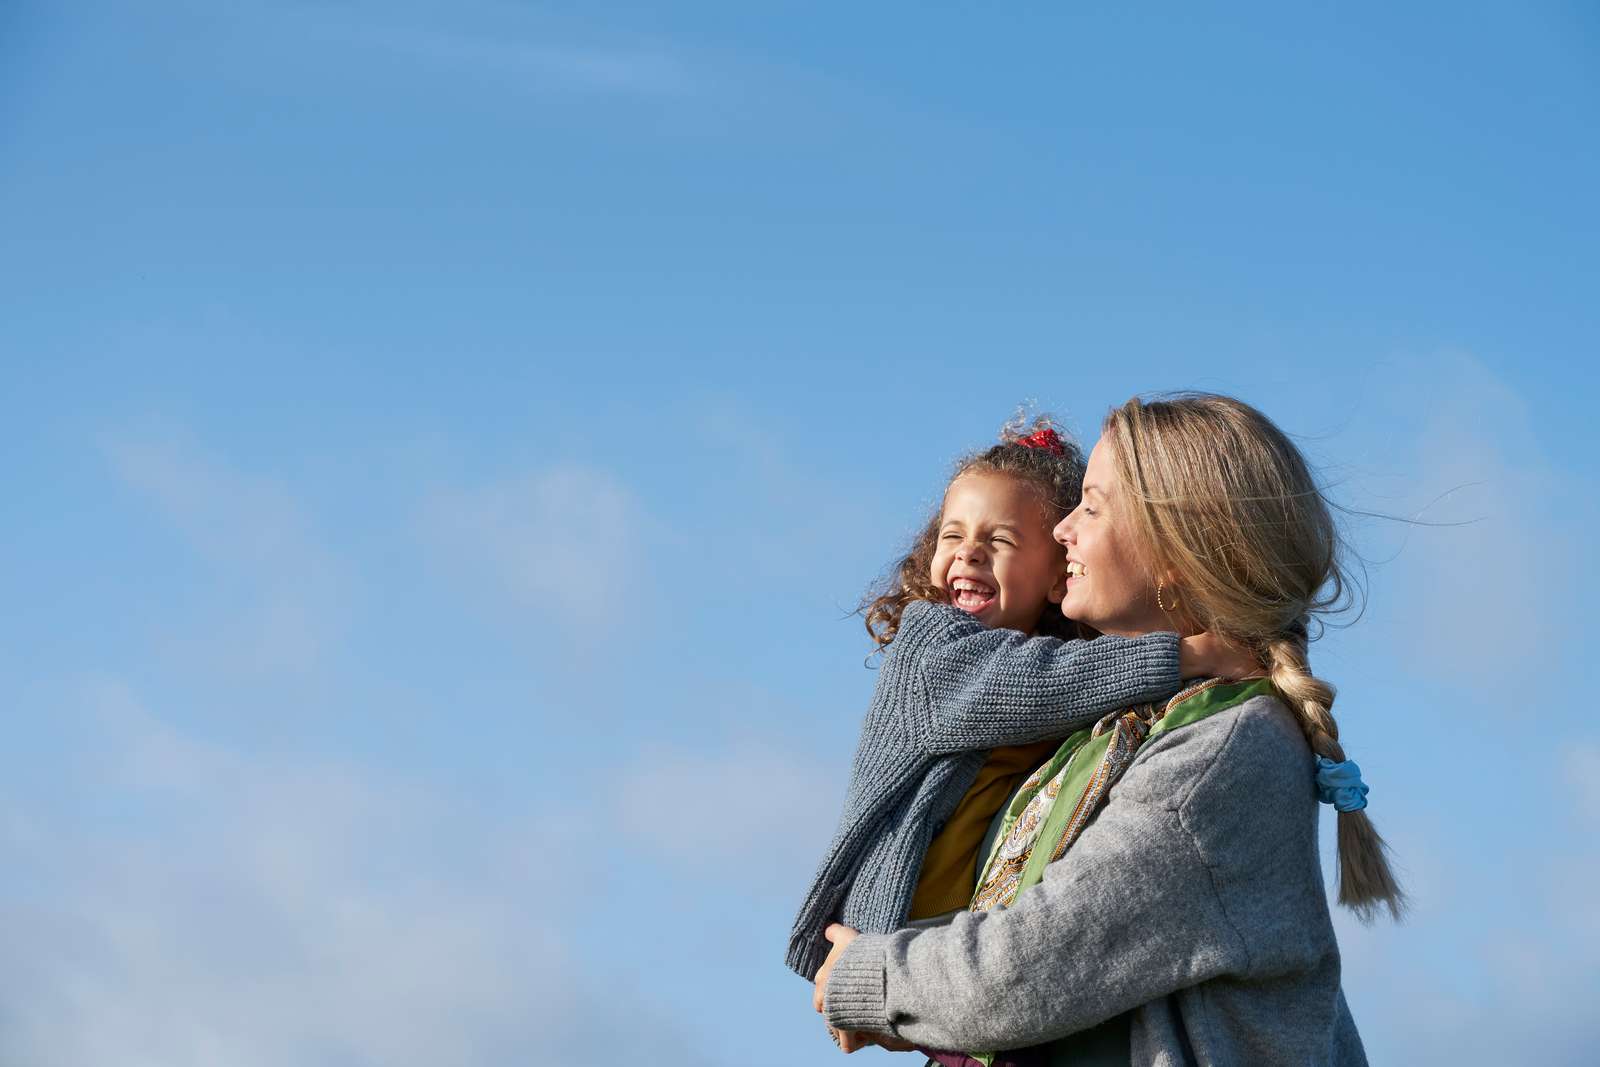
(1205,655)
(848,1040)
(841,936)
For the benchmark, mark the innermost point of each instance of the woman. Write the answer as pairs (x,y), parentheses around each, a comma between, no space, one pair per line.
(1184,920)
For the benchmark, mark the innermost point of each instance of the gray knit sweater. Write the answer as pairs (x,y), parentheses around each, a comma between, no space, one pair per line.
(1192,908)
(949,690)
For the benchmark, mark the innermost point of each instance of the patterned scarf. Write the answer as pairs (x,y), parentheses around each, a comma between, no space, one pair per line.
(1111,744)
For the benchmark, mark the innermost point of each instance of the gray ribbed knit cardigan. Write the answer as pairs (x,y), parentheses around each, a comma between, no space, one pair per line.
(949,690)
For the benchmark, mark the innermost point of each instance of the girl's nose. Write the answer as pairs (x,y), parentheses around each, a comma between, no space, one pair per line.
(970,552)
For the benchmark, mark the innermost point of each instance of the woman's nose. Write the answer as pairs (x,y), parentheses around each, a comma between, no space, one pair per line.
(1063,531)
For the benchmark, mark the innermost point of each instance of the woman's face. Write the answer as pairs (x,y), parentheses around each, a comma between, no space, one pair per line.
(1109,586)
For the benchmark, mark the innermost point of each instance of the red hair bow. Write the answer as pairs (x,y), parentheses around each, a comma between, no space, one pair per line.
(1046,439)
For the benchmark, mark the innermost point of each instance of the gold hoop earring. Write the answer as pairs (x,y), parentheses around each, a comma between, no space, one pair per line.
(1160,588)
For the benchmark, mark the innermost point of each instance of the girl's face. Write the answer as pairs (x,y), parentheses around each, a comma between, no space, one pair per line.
(1109,586)
(995,556)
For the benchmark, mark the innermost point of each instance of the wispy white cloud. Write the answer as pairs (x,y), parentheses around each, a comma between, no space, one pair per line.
(561,543)
(751,803)
(1500,936)
(1580,766)
(288,591)
(229,515)
(808,509)
(507,44)
(1461,443)
(1572,868)
(631,71)
(1490,981)
(251,910)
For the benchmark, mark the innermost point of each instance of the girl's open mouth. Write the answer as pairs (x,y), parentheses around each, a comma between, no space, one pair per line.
(971,595)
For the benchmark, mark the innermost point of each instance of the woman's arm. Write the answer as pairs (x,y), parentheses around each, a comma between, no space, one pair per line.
(1127,916)
(1203,863)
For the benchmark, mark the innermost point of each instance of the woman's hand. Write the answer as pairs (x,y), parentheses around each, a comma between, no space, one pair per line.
(855,1040)
(1205,655)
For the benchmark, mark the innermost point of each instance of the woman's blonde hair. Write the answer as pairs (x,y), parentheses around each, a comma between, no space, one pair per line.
(1224,507)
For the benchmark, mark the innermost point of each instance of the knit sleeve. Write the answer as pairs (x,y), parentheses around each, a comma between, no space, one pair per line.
(986,688)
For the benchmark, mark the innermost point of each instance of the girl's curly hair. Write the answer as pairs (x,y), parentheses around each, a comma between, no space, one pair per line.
(1057,476)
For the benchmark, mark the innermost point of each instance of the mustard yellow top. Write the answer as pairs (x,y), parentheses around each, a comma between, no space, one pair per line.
(950,869)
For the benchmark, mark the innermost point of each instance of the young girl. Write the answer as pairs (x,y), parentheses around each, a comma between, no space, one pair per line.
(968,699)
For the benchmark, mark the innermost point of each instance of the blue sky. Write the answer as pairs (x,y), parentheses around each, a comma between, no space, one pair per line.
(446,441)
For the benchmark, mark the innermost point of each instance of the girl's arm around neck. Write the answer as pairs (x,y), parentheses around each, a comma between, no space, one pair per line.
(986,688)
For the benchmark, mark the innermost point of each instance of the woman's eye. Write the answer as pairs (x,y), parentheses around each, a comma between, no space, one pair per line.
(1002,540)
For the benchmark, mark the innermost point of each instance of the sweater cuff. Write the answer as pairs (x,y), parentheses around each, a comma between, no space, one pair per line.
(938,622)
(854,999)
(1161,662)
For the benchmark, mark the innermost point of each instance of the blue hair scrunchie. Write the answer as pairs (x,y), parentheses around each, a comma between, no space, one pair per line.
(1340,784)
